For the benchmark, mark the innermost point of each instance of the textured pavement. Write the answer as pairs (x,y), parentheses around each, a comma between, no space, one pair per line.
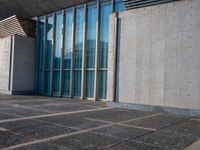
(43,123)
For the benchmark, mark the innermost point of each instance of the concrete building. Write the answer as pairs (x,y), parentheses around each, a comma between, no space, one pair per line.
(137,54)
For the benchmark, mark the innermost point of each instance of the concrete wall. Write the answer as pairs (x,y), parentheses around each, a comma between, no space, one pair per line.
(5,47)
(23,64)
(17,64)
(159,55)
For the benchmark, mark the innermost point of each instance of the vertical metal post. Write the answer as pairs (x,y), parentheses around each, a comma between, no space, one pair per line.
(84,54)
(97,51)
(116,57)
(62,53)
(72,54)
(44,55)
(52,55)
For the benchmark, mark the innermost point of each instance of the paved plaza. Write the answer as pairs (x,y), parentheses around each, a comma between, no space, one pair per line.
(44,123)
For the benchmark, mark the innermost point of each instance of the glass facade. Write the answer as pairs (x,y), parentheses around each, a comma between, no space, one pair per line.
(68,42)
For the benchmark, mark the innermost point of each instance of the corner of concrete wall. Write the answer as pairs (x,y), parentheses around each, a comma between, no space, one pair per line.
(5,52)
(111,59)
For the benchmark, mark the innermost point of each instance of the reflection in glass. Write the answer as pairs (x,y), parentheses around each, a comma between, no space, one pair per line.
(104,30)
(78,51)
(119,6)
(56,83)
(77,83)
(89,91)
(68,39)
(58,41)
(49,42)
(91,36)
(79,38)
(66,83)
(90,50)
(47,83)
(103,84)
(41,35)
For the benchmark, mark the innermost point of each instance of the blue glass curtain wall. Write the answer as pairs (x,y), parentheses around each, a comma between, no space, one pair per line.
(40,52)
(68,42)
(90,50)
(67,52)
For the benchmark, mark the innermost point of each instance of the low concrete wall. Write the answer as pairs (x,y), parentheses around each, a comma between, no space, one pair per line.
(5,49)
(159,55)
(23,65)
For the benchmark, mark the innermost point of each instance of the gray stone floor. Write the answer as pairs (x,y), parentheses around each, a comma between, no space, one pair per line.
(42,123)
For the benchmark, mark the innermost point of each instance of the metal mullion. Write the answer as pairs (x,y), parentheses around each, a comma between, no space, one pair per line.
(44,54)
(62,54)
(90,69)
(72,54)
(103,69)
(84,53)
(52,55)
(97,51)
(77,69)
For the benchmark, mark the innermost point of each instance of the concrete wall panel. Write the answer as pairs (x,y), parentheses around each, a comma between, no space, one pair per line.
(5,46)
(23,64)
(160,55)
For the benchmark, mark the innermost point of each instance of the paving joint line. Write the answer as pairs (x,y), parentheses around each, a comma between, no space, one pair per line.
(57,137)
(27,107)
(51,115)
(121,124)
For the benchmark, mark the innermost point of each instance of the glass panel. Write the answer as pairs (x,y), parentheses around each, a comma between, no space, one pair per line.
(47,82)
(119,6)
(89,91)
(40,80)
(68,39)
(58,43)
(41,36)
(77,83)
(102,84)
(49,41)
(56,83)
(66,83)
(91,36)
(79,38)
(104,30)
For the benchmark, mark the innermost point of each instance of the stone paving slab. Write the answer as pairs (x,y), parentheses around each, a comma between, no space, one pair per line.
(22,112)
(65,124)
(122,132)
(43,131)
(187,128)
(5,116)
(9,139)
(168,139)
(72,121)
(132,145)
(25,124)
(42,146)
(86,141)
(63,107)
(157,122)
(116,115)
